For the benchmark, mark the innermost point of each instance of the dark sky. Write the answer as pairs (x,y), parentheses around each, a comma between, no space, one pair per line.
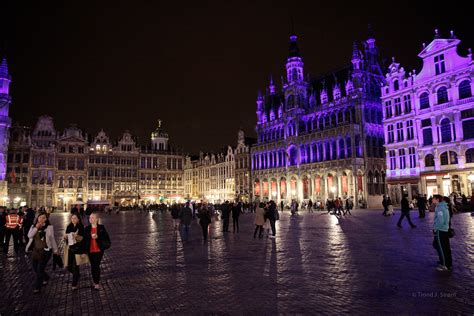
(197,65)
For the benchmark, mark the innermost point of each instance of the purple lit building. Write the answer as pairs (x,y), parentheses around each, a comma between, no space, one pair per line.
(5,123)
(322,138)
(429,123)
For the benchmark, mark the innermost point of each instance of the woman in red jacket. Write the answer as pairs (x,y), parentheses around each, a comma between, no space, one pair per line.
(96,241)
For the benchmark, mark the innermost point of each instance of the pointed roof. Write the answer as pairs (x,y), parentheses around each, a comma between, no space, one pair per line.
(4,68)
(294,50)
(355,51)
(370,32)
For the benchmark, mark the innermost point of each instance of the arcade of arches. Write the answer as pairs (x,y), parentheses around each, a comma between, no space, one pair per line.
(320,186)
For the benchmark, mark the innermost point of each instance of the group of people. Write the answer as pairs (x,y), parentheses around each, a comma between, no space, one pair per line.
(15,225)
(32,230)
(443,208)
(338,207)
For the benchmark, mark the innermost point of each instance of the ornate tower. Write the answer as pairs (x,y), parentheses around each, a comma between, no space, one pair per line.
(5,123)
(159,138)
(296,88)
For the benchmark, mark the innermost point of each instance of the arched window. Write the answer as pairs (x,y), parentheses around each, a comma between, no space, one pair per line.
(370,185)
(445,130)
(333,120)
(377,183)
(340,118)
(61,182)
(470,155)
(442,95)
(424,101)
(448,158)
(293,156)
(334,150)
(465,90)
(79,183)
(396,85)
(70,182)
(429,160)
(342,149)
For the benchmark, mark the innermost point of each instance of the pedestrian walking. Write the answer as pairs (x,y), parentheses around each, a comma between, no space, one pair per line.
(390,207)
(385,205)
(41,236)
(422,206)
(235,216)
(186,216)
(175,215)
(96,241)
(310,206)
(259,220)
(441,233)
(205,218)
(225,208)
(272,216)
(405,212)
(349,206)
(12,229)
(73,238)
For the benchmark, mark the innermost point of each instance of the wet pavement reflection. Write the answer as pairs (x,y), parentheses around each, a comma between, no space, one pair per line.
(361,264)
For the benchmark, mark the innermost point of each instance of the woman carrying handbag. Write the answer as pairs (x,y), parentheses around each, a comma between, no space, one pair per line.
(41,236)
(73,238)
(96,241)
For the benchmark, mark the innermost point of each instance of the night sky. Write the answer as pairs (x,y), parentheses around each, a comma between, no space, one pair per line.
(196,65)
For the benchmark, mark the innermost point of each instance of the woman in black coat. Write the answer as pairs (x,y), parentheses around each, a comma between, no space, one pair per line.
(74,234)
(96,241)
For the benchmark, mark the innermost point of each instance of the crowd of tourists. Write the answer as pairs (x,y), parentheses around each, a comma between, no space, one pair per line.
(32,232)
(85,239)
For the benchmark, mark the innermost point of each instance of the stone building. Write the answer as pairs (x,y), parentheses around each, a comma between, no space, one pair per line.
(43,165)
(71,173)
(18,168)
(429,123)
(322,138)
(243,189)
(161,171)
(211,177)
(5,123)
(51,169)
(101,168)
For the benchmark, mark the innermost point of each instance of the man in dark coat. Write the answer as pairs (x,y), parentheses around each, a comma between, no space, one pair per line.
(272,216)
(236,210)
(226,215)
(405,208)
(422,205)
(186,216)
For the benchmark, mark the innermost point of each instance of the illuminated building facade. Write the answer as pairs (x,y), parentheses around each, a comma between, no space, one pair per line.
(429,123)
(5,123)
(211,177)
(51,169)
(322,138)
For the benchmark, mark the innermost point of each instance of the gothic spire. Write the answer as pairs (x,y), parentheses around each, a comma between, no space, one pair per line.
(4,68)
(294,50)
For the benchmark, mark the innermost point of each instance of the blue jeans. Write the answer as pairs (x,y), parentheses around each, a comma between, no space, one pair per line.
(39,268)
(184,232)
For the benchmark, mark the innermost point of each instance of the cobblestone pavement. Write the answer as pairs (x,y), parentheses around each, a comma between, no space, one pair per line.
(360,264)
